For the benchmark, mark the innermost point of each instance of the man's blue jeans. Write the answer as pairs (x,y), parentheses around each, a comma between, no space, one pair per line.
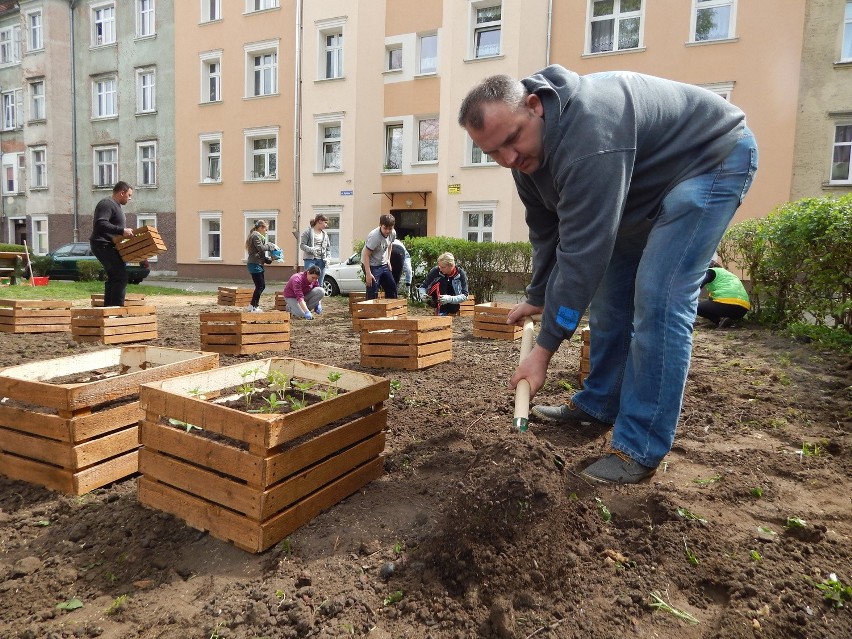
(383,277)
(642,313)
(314,261)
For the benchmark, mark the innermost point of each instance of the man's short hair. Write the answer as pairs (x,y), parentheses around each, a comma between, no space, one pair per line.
(121,187)
(387,219)
(495,88)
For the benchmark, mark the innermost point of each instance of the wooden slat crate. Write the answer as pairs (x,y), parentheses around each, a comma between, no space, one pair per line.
(245,333)
(254,478)
(114,324)
(378,308)
(71,424)
(146,242)
(406,343)
(489,321)
(280,302)
(130,299)
(233,296)
(35,316)
(585,349)
(354,298)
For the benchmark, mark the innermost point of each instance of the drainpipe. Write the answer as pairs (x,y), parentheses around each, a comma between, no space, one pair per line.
(549,32)
(297,131)
(74,177)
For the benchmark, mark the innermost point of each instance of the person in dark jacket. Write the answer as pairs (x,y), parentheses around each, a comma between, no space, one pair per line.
(445,286)
(257,245)
(109,221)
(629,182)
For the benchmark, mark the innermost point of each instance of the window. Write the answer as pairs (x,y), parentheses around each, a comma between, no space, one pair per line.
(842,154)
(260,5)
(13,164)
(211,158)
(428,54)
(333,55)
(103,25)
(146,93)
(478,222)
(263,71)
(146,163)
(330,153)
(37,102)
(211,236)
(486,29)
(846,53)
(35,31)
(393,58)
(40,243)
(10,45)
(614,25)
(427,140)
(103,98)
(393,147)
(38,172)
(11,109)
(105,166)
(477,156)
(211,10)
(262,154)
(333,229)
(713,20)
(211,76)
(145,18)
(723,89)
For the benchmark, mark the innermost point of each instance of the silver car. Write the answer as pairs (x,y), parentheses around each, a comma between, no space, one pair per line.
(346,277)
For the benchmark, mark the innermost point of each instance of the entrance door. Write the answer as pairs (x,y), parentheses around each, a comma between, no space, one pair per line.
(410,222)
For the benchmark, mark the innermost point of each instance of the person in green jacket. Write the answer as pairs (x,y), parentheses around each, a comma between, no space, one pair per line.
(728,300)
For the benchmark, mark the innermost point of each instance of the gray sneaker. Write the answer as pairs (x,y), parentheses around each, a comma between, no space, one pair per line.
(617,468)
(568,413)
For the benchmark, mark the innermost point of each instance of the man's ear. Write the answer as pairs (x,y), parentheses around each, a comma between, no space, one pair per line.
(534,104)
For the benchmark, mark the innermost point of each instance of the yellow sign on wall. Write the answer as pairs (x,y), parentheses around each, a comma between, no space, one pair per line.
(453,189)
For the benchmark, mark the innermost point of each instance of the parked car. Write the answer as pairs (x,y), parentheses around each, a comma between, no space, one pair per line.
(65,260)
(343,278)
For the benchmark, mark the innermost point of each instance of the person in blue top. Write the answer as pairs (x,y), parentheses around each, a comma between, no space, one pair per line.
(629,182)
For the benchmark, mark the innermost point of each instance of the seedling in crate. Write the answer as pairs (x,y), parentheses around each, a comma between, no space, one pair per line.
(273,405)
(278,381)
(189,427)
(329,393)
(247,390)
(303,387)
(296,403)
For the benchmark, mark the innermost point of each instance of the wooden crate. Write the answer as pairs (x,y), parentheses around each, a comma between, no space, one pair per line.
(466,308)
(75,436)
(280,302)
(130,299)
(354,298)
(489,321)
(378,308)
(233,296)
(35,316)
(585,349)
(146,242)
(252,478)
(245,333)
(407,343)
(114,324)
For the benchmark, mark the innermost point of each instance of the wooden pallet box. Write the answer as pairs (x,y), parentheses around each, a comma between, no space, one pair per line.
(245,333)
(489,322)
(130,299)
(71,424)
(378,308)
(254,478)
(354,298)
(35,316)
(406,343)
(146,242)
(114,324)
(466,308)
(585,350)
(233,296)
(280,301)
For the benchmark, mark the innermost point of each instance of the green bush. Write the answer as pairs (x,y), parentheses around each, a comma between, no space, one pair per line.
(40,264)
(90,270)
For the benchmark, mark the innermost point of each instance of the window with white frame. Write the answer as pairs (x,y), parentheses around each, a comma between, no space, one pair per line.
(12,109)
(211,157)
(332,230)
(260,5)
(35,31)
(332,53)
(211,235)
(476,156)
(841,154)
(103,24)
(146,90)
(38,167)
(40,236)
(10,45)
(104,103)
(723,89)
(713,20)
(261,154)
(393,57)
(329,133)
(145,22)
(13,166)
(211,76)
(486,17)
(147,219)
(271,218)
(393,147)
(262,69)
(614,25)
(146,163)
(846,51)
(37,101)
(105,164)
(427,140)
(211,10)
(427,53)
(478,221)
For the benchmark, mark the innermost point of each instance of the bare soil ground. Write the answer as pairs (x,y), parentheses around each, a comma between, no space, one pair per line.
(475,530)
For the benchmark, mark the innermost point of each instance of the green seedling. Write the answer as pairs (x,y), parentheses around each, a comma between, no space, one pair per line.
(197,394)
(111,578)
(835,591)
(278,380)
(280,594)
(603,511)
(296,403)
(398,547)
(707,481)
(755,556)
(683,512)
(70,604)
(392,598)
(247,390)
(756,492)
(286,546)
(329,393)
(810,450)
(395,387)
(794,523)
(690,556)
(658,603)
(43,522)
(215,634)
(117,605)
(273,405)
(565,385)
(303,387)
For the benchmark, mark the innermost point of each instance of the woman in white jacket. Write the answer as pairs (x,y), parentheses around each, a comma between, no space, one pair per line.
(315,245)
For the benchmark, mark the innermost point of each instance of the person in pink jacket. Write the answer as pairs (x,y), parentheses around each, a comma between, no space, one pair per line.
(304,294)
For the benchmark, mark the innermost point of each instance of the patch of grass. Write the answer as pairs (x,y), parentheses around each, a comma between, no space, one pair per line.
(71,291)
(709,480)
(832,338)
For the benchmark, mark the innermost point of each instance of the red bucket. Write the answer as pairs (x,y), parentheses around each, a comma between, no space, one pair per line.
(40,281)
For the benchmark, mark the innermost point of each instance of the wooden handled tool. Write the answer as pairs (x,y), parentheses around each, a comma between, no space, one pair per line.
(521,420)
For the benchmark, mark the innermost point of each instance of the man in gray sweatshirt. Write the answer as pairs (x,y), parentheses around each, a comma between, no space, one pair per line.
(629,182)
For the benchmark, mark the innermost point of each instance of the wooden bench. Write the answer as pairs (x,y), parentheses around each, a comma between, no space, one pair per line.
(11,262)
